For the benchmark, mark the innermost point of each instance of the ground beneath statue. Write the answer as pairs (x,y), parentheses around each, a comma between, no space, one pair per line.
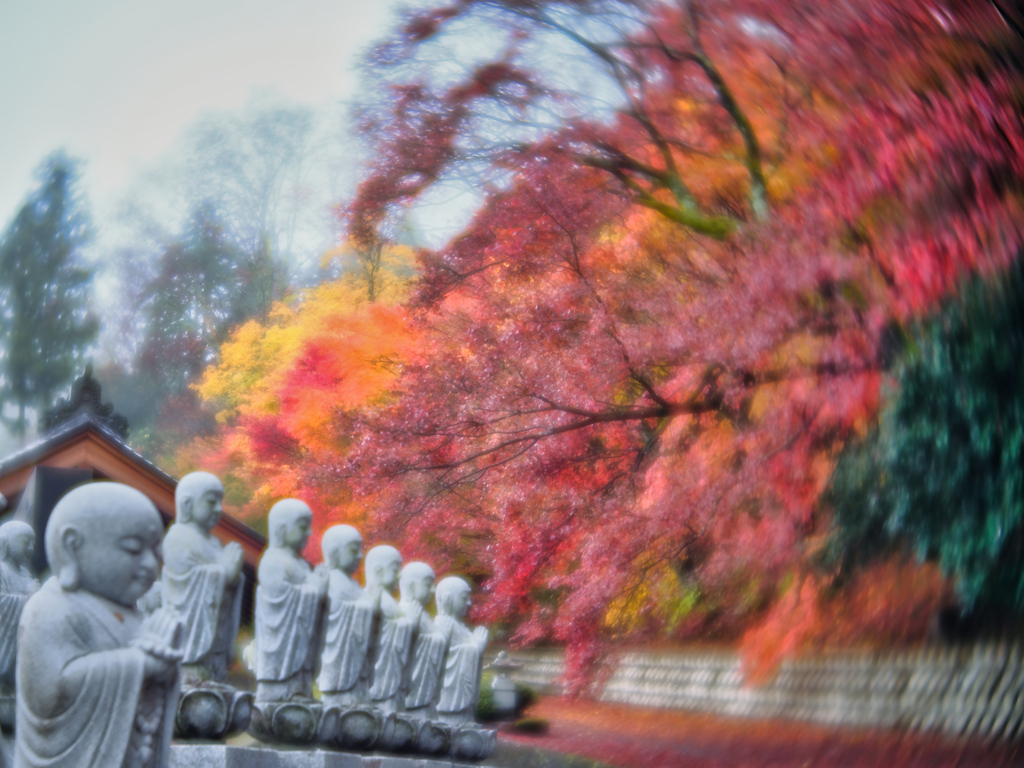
(633,737)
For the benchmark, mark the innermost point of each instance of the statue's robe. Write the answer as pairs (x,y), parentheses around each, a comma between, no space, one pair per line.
(423,673)
(16,586)
(82,698)
(392,655)
(289,610)
(346,665)
(210,607)
(463,667)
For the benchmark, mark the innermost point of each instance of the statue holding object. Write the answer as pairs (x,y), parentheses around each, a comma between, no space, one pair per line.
(17,584)
(202,583)
(290,601)
(463,667)
(346,664)
(393,638)
(421,683)
(97,684)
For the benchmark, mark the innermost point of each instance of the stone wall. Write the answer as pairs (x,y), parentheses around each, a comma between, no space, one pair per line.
(976,690)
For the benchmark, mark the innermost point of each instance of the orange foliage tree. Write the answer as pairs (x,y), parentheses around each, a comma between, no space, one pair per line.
(282,388)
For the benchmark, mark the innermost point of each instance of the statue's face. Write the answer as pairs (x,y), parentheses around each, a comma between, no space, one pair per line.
(460,603)
(119,561)
(347,558)
(422,589)
(207,509)
(21,548)
(298,532)
(389,574)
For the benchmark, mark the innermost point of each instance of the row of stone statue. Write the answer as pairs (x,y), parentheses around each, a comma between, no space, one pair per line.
(99,682)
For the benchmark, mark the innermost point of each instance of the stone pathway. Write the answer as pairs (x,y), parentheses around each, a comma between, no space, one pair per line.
(633,737)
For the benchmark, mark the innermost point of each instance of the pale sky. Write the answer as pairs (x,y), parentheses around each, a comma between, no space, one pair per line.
(115,81)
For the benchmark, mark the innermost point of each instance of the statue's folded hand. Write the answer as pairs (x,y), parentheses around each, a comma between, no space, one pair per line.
(158,668)
(231,559)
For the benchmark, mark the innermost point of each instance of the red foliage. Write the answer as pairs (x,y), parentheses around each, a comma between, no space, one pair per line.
(642,354)
(602,395)
(889,604)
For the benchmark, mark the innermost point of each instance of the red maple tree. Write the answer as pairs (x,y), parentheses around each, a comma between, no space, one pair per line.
(641,355)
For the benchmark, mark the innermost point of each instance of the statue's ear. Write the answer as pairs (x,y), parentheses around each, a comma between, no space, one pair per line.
(185,510)
(279,533)
(69,576)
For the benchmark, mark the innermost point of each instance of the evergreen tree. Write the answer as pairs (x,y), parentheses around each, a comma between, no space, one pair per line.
(45,285)
(943,473)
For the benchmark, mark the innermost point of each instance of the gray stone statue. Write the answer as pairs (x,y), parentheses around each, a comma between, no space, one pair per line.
(202,580)
(421,684)
(202,583)
(391,644)
(395,630)
(463,667)
(17,584)
(97,685)
(289,614)
(346,664)
(423,674)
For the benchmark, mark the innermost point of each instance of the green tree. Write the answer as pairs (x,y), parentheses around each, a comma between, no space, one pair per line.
(196,294)
(203,285)
(944,471)
(44,283)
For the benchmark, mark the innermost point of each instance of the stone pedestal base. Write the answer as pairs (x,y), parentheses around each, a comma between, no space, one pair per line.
(473,743)
(298,722)
(359,728)
(433,738)
(398,734)
(212,712)
(223,756)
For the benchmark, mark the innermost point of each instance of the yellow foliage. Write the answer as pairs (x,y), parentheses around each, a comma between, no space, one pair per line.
(247,378)
(329,348)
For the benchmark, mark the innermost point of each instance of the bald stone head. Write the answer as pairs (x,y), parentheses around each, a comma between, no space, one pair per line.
(453,595)
(290,524)
(198,499)
(416,583)
(342,547)
(105,538)
(17,543)
(382,564)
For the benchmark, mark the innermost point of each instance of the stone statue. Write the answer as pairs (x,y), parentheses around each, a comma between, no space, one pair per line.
(391,644)
(202,580)
(423,674)
(346,664)
(289,613)
(97,685)
(395,630)
(463,666)
(17,584)
(460,688)
(202,583)
(421,684)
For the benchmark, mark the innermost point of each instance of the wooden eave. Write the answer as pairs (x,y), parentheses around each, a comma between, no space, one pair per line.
(86,444)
